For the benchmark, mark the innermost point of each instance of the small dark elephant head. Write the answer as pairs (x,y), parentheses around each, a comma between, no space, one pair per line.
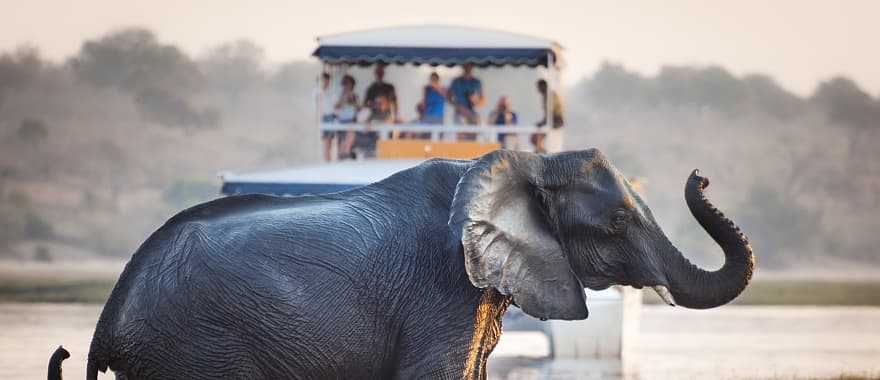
(542,228)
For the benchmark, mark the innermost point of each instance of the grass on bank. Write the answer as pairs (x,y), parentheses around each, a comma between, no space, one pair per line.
(760,292)
(55,290)
(846,376)
(803,292)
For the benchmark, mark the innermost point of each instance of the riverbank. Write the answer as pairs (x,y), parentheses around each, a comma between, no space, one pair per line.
(84,281)
(91,282)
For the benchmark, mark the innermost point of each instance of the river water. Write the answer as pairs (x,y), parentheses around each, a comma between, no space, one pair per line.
(733,342)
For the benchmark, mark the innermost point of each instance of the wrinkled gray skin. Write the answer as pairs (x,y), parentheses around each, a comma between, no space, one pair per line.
(385,281)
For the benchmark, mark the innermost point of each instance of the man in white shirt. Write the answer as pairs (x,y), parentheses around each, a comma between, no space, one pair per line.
(326,99)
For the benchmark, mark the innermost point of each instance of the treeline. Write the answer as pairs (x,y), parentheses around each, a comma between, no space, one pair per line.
(98,150)
(713,87)
(168,87)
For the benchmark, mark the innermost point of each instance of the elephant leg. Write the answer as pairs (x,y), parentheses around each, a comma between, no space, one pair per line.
(450,359)
(465,356)
(432,368)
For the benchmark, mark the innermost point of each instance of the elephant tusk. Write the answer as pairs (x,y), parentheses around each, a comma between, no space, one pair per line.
(664,294)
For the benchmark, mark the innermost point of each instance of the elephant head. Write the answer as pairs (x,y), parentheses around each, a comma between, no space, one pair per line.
(541,228)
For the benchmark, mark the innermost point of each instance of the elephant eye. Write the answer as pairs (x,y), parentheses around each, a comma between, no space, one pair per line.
(619,220)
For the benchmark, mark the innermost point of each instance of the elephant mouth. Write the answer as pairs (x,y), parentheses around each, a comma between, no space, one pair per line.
(599,287)
(600,283)
(662,290)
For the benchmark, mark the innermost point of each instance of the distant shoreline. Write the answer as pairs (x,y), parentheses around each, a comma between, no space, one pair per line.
(91,282)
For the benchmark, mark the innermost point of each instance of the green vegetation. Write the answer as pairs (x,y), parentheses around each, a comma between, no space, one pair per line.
(762,292)
(19,221)
(844,376)
(54,290)
(33,131)
(811,293)
(800,193)
(715,88)
(802,225)
(803,292)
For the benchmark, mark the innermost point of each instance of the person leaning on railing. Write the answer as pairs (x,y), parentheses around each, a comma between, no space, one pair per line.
(558,121)
(503,115)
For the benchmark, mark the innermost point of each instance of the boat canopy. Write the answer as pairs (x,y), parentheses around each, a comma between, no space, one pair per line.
(438,45)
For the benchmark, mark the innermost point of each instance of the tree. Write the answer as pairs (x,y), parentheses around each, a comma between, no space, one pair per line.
(780,226)
(614,86)
(133,60)
(233,67)
(847,103)
(20,68)
(33,131)
(711,86)
(766,95)
(160,77)
(295,75)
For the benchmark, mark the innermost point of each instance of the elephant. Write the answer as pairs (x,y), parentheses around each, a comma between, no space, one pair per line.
(407,277)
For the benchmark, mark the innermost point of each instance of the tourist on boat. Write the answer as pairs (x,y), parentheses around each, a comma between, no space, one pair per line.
(433,101)
(466,95)
(503,115)
(346,110)
(381,112)
(383,89)
(381,100)
(551,140)
(325,97)
(420,119)
(430,109)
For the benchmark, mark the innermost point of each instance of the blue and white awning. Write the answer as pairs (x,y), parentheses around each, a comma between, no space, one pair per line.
(437,45)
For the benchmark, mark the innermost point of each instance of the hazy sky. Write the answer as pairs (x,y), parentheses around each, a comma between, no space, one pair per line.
(797,41)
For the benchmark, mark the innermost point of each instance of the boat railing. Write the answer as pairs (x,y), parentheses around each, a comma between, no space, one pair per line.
(438,132)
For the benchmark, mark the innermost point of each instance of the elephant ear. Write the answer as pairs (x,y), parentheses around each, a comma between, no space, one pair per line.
(508,243)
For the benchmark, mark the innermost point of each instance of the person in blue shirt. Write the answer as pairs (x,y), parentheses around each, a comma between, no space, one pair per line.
(465,95)
(503,115)
(433,101)
(431,109)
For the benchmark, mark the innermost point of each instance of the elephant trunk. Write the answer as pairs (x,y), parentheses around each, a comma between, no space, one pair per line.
(695,288)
